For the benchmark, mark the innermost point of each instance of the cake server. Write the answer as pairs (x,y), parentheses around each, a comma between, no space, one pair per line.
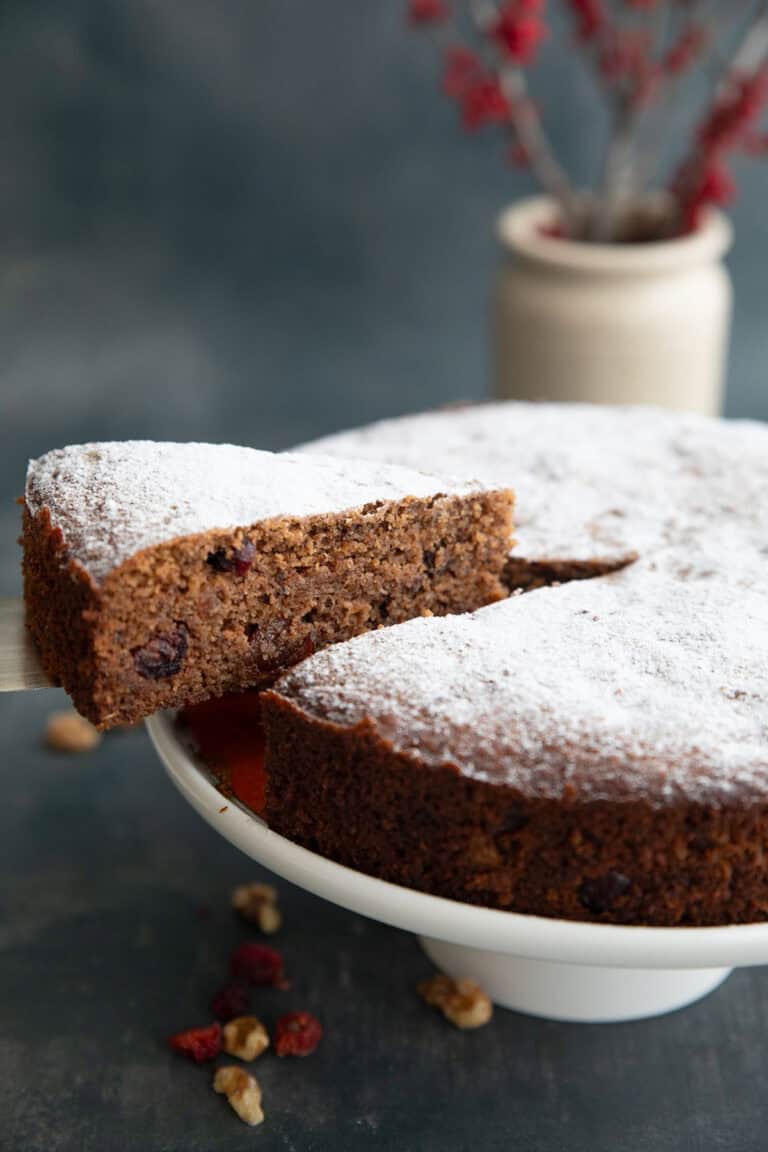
(20,666)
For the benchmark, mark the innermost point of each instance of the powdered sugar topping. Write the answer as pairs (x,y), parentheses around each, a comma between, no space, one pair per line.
(590,482)
(583,687)
(651,682)
(111,500)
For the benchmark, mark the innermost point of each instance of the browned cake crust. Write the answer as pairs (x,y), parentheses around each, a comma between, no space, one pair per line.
(220,611)
(346,793)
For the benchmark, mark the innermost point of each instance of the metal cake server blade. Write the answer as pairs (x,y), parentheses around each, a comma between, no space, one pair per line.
(20,666)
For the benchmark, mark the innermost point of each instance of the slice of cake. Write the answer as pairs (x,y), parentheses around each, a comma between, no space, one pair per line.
(162,574)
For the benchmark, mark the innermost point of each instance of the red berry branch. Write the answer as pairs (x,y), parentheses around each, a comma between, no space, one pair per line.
(639,51)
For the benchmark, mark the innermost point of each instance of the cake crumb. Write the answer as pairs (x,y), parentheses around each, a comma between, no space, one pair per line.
(242,1091)
(68,731)
(245,1037)
(463,1002)
(257,903)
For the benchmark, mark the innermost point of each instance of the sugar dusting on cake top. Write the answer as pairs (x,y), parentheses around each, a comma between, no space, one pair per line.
(592,689)
(112,500)
(651,682)
(591,482)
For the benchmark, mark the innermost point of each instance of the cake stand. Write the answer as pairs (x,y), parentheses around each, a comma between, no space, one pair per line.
(557,969)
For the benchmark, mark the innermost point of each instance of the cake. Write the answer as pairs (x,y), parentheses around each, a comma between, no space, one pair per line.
(589,748)
(157,575)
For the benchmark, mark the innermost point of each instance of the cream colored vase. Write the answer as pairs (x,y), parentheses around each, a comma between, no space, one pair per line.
(612,324)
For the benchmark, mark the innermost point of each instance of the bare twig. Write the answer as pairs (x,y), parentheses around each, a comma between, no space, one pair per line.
(533,140)
(526,123)
(617,177)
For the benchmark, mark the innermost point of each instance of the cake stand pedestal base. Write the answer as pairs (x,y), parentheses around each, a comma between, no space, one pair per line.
(577,992)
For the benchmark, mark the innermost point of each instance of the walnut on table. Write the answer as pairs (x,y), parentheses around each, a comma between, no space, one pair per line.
(257,903)
(463,1002)
(68,731)
(242,1091)
(245,1037)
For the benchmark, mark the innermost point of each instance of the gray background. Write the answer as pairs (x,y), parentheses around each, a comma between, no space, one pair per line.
(258,221)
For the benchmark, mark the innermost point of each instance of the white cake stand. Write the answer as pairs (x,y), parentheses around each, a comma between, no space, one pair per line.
(558,969)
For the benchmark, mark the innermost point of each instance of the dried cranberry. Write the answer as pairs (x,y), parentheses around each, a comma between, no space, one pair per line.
(258,964)
(230,1001)
(600,893)
(162,655)
(242,558)
(239,562)
(199,1044)
(297,1034)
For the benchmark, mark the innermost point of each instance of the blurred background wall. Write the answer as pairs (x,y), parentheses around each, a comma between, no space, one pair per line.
(257,220)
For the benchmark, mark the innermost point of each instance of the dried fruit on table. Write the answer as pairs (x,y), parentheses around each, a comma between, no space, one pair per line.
(297,1034)
(258,964)
(199,1044)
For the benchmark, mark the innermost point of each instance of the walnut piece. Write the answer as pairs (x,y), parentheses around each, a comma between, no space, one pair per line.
(245,1037)
(463,1002)
(241,1090)
(257,903)
(70,732)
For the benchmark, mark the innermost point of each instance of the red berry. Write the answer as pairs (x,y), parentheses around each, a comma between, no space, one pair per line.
(484,102)
(230,1001)
(518,31)
(297,1034)
(199,1044)
(258,964)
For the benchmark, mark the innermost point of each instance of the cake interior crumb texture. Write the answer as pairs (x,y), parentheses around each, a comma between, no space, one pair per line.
(161,574)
